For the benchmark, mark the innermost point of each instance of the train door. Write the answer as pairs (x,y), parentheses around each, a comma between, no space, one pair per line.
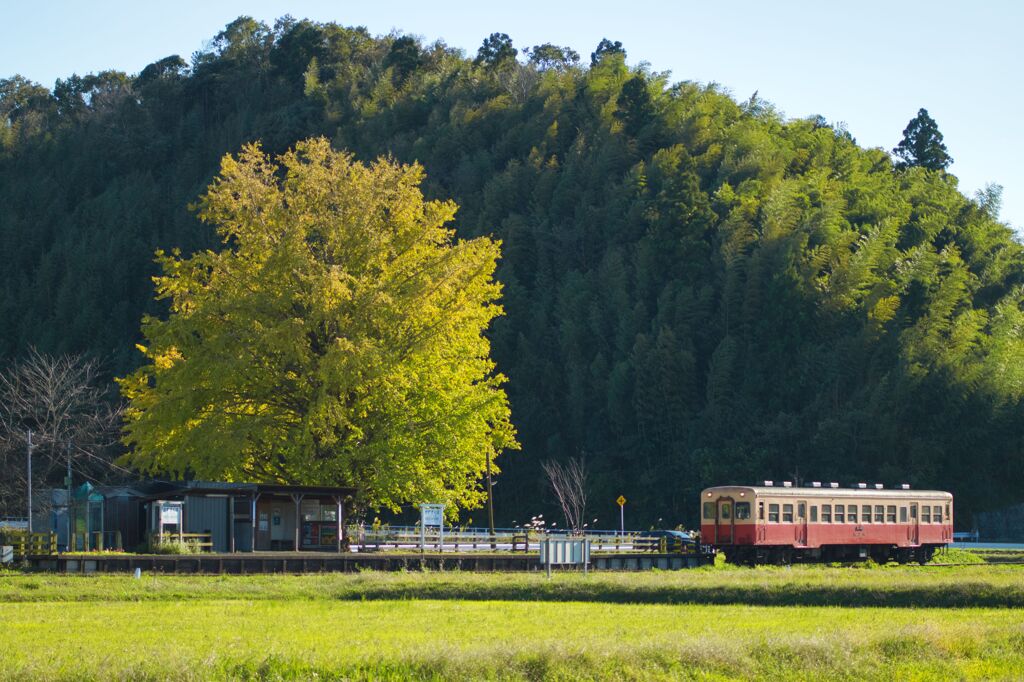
(913,531)
(801,523)
(724,522)
(762,531)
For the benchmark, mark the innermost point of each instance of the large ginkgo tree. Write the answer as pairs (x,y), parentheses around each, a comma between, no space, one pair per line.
(337,337)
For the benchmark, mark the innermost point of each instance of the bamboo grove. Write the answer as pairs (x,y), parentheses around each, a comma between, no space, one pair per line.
(697,290)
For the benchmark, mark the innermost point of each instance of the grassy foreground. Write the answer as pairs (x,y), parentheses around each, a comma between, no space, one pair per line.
(380,626)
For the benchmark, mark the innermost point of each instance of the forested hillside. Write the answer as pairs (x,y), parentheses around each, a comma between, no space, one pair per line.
(697,290)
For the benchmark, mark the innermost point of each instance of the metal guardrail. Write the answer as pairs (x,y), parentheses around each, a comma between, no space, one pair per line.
(966,536)
(515,540)
(13,523)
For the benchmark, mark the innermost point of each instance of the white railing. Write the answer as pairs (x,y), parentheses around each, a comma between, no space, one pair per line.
(369,538)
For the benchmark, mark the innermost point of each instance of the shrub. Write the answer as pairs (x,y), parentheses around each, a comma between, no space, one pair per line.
(168,543)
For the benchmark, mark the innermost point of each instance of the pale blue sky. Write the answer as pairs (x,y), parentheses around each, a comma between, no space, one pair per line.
(871,64)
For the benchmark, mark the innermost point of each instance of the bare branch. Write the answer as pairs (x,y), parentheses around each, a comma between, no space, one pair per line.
(64,401)
(569,483)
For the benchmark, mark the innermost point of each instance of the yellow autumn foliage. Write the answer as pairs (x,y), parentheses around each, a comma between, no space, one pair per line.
(337,337)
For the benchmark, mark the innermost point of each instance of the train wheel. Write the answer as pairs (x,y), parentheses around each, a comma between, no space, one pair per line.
(740,557)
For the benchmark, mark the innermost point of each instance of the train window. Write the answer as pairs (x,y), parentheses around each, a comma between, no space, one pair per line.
(773,513)
(787,513)
(801,511)
(760,511)
(879,514)
(926,514)
(937,514)
(814,514)
(913,512)
(826,513)
(851,513)
(903,514)
(742,510)
(947,512)
(865,514)
(726,510)
(890,514)
(840,515)
(709,510)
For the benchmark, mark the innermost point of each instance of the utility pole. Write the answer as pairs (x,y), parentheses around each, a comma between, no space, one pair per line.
(29,458)
(621,501)
(490,500)
(67,502)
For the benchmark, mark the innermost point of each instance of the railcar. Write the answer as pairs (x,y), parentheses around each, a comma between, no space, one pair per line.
(783,523)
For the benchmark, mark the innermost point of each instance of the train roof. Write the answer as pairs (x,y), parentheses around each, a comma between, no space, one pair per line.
(805,492)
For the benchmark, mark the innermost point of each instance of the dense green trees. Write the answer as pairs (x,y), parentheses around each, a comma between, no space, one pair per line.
(697,291)
(922,144)
(496,49)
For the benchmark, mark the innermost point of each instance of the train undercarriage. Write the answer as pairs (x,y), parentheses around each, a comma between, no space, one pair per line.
(749,555)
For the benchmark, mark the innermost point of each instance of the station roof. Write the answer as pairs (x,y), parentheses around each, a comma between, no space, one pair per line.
(271,488)
(164,489)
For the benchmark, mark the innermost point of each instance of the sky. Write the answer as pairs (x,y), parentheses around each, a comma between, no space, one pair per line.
(869,64)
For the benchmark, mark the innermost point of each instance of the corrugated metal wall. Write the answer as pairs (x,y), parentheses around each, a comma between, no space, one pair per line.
(208,515)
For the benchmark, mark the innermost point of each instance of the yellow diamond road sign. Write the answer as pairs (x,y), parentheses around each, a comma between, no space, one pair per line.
(621,501)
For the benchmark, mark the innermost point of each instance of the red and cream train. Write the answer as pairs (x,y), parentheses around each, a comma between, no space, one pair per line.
(780,524)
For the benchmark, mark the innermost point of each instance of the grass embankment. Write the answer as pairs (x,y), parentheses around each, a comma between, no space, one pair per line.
(451,625)
(910,586)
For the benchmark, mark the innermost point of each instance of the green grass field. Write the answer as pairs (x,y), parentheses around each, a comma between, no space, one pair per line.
(704,624)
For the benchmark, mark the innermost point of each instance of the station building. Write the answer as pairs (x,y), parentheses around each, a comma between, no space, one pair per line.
(225,517)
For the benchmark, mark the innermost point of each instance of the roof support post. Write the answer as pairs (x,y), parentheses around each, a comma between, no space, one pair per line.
(297,498)
(338,520)
(252,544)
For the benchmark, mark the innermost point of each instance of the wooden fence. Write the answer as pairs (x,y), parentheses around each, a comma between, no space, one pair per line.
(29,544)
(96,541)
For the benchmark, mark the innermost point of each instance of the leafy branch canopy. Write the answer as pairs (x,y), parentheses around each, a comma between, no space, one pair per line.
(336,338)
